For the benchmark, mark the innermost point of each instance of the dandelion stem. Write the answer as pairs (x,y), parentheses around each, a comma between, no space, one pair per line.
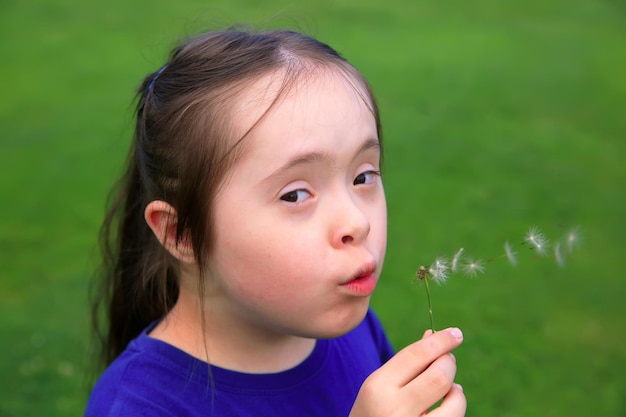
(430,304)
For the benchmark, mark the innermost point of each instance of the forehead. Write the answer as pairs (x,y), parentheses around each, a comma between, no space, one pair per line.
(297,100)
(323,124)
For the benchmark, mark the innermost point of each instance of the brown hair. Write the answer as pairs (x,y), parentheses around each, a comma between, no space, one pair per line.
(182,150)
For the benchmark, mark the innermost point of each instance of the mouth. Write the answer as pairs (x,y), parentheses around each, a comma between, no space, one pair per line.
(365,271)
(362,282)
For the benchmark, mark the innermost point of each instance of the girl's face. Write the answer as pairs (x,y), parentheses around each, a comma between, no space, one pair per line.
(301,220)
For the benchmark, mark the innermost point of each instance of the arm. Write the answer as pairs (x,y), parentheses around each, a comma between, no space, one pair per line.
(414,380)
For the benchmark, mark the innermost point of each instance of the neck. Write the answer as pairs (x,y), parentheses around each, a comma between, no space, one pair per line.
(228,341)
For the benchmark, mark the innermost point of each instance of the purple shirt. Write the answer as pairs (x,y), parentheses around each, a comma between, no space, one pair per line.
(153,378)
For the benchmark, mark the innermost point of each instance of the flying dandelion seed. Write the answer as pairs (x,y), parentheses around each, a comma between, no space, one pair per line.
(537,240)
(573,238)
(455,260)
(510,255)
(558,255)
(441,263)
(442,268)
(439,270)
(472,268)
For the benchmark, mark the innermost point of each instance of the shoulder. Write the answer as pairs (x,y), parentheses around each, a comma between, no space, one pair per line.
(124,404)
(139,382)
(116,396)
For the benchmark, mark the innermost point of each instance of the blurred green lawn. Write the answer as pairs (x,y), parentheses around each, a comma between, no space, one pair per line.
(497,116)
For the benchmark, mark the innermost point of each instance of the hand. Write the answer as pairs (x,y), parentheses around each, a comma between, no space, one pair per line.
(414,380)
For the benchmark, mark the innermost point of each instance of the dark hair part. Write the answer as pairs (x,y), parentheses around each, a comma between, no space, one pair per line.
(182,150)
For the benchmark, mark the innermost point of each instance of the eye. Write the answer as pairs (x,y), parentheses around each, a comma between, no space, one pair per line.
(367,177)
(295,196)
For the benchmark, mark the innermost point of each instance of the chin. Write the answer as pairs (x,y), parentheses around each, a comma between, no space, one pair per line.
(340,324)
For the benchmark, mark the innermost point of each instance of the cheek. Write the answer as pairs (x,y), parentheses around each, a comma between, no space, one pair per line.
(378,222)
(264,267)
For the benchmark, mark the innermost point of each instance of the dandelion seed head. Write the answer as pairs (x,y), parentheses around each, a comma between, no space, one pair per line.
(422,273)
(537,240)
(510,255)
(560,260)
(455,260)
(472,268)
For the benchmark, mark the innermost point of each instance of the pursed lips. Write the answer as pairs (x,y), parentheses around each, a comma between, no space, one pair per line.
(367,269)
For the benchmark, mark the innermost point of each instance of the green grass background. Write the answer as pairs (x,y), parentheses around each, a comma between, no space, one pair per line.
(498,115)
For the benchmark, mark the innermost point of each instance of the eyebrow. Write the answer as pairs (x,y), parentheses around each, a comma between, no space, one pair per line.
(312,157)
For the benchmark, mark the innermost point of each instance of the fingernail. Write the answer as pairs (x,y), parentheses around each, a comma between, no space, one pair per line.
(459,387)
(456,333)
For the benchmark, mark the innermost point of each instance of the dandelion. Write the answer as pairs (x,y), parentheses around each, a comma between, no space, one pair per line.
(437,272)
(558,255)
(537,240)
(510,255)
(472,268)
(424,275)
(455,260)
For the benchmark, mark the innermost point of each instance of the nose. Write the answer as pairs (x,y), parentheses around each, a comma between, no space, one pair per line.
(351,225)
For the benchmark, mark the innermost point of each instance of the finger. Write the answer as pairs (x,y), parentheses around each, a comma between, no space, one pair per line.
(434,383)
(454,404)
(428,388)
(411,361)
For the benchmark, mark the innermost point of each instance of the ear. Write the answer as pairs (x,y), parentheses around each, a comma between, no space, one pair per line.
(163,220)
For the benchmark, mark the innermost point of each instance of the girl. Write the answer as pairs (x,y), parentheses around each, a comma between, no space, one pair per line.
(250,232)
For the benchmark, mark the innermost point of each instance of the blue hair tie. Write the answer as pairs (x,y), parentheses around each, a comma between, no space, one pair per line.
(155,78)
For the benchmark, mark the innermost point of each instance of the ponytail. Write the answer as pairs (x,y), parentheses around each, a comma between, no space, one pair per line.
(138,282)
